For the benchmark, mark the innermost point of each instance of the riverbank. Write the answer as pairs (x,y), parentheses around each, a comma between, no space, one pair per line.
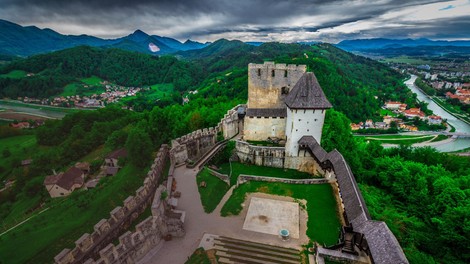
(440,104)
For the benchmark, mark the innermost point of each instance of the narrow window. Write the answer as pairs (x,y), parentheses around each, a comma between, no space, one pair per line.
(285,74)
(259,72)
(272,73)
(300,120)
(308,130)
(315,120)
(322,111)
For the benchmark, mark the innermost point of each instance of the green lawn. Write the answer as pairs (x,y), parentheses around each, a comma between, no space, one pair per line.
(213,192)
(158,91)
(385,112)
(440,138)
(16,74)
(42,237)
(323,223)
(400,139)
(262,143)
(241,168)
(20,147)
(93,80)
(79,89)
(198,257)
(70,89)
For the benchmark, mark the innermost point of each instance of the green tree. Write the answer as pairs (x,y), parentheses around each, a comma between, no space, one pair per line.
(139,147)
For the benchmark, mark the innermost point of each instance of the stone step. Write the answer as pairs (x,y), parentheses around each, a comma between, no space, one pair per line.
(241,259)
(258,245)
(264,251)
(257,255)
(223,260)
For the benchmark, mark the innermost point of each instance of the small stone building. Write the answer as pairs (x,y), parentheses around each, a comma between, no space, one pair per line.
(64,183)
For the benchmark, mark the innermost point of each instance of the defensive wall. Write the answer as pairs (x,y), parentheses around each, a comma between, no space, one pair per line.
(195,144)
(97,247)
(276,157)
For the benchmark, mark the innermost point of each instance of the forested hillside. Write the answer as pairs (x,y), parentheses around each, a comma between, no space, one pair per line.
(55,70)
(355,85)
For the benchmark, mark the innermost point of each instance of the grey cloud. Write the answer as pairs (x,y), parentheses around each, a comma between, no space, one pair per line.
(200,19)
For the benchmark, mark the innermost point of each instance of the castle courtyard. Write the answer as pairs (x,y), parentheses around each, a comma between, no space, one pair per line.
(198,223)
(270,216)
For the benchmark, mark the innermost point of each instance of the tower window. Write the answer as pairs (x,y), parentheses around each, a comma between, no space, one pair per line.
(284,90)
(315,120)
(285,74)
(308,130)
(272,73)
(259,72)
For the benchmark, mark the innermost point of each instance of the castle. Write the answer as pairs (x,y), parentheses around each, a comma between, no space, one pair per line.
(285,104)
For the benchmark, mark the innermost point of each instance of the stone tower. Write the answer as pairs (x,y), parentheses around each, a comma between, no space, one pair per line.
(268,86)
(306,107)
(269,83)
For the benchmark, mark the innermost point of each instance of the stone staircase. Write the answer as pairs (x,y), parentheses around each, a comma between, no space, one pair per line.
(230,251)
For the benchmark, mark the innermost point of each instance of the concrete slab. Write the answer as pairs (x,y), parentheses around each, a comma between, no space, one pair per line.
(270,216)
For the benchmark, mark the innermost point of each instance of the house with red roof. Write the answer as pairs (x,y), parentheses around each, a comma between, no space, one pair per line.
(434,120)
(414,112)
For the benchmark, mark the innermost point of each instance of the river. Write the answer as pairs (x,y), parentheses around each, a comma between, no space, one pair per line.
(460,126)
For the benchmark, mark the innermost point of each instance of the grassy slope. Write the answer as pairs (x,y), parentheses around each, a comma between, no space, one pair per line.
(20,148)
(213,192)
(323,223)
(41,238)
(16,74)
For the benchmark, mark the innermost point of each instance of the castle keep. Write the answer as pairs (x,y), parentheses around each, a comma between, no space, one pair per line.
(285,103)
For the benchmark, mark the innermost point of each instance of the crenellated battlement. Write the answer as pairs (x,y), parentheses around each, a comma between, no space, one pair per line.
(269,83)
(96,244)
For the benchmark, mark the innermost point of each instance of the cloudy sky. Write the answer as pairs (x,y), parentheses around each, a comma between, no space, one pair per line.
(247,20)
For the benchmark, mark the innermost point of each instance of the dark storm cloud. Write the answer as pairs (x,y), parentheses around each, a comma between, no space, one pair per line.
(210,19)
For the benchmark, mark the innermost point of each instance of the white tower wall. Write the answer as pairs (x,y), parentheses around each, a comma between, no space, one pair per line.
(302,122)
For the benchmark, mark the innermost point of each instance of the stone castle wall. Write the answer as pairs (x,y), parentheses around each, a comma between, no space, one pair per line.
(242,178)
(260,128)
(194,145)
(269,83)
(276,157)
(97,244)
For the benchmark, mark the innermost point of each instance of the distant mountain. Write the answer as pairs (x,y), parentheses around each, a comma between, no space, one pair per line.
(219,48)
(25,41)
(382,43)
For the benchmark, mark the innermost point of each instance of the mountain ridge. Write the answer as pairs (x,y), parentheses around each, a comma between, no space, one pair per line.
(30,40)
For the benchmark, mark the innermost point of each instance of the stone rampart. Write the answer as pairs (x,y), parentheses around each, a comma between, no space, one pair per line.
(96,245)
(223,177)
(197,143)
(242,178)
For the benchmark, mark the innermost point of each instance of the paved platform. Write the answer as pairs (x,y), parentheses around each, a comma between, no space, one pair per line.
(269,216)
